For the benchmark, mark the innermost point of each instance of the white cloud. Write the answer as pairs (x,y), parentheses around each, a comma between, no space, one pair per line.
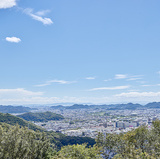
(150,85)
(7,3)
(42,12)
(90,78)
(13,39)
(107,80)
(55,81)
(134,78)
(39,16)
(120,76)
(147,85)
(109,88)
(128,77)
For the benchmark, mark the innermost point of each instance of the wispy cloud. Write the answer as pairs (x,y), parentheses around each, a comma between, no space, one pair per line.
(13,39)
(110,88)
(138,94)
(42,12)
(121,76)
(128,77)
(150,85)
(90,78)
(107,80)
(134,78)
(39,16)
(7,4)
(18,92)
(55,81)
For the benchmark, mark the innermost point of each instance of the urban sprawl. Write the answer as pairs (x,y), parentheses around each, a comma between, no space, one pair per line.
(88,122)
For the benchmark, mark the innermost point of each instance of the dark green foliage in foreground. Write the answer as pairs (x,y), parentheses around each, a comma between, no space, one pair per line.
(78,152)
(141,143)
(21,143)
(41,117)
(76,140)
(58,139)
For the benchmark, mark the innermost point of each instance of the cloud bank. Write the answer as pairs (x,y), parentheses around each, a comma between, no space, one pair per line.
(23,96)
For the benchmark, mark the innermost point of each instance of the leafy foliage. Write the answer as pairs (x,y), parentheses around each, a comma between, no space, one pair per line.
(57,139)
(78,152)
(140,143)
(22,143)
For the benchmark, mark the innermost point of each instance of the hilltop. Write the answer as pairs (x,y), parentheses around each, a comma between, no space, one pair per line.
(13,120)
(15,109)
(129,106)
(41,117)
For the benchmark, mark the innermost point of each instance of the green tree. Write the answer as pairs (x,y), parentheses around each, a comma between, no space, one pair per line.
(21,143)
(78,152)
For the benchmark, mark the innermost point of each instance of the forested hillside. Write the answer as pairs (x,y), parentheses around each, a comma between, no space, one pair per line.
(20,142)
(13,120)
(140,143)
(41,117)
(58,139)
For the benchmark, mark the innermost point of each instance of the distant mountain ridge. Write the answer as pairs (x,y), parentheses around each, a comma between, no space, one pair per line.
(15,109)
(129,106)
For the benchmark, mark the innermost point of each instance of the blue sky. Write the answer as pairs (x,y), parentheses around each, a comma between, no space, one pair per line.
(84,51)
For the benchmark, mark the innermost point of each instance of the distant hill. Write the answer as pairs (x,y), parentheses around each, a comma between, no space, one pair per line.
(15,109)
(13,120)
(41,117)
(58,107)
(130,106)
(78,106)
(152,105)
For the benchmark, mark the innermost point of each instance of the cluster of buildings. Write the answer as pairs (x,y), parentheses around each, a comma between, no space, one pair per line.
(88,122)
